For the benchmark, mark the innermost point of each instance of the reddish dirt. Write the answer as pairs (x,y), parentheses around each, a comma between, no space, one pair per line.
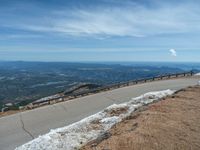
(10,112)
(170,124)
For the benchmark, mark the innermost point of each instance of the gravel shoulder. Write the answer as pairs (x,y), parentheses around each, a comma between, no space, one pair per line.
(172,123)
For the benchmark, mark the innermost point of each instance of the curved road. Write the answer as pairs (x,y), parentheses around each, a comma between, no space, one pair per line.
(20,128)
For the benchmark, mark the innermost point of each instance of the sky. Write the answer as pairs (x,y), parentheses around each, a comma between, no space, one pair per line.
(100,30)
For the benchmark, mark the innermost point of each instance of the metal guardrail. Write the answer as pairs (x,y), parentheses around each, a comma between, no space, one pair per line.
(109,87)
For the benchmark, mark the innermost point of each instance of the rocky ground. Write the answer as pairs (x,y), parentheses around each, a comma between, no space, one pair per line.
(172,123)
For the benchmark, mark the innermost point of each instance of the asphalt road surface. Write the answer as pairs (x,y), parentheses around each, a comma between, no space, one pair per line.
(20,128)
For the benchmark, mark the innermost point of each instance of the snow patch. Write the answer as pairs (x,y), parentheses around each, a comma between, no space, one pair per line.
(197,74)
(78,134)
(150,97)
(48,98)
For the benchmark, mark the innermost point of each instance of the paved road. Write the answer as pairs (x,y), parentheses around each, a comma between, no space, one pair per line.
(20,128)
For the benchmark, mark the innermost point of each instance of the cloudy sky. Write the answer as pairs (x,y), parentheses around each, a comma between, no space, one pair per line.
(100,30)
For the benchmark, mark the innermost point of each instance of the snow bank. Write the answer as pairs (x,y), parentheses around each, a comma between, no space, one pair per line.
(78,134)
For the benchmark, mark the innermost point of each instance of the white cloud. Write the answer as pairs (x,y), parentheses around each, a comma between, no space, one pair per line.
(131,20)
(173,52)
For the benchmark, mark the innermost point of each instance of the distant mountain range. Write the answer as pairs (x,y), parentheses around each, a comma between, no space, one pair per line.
(24,82)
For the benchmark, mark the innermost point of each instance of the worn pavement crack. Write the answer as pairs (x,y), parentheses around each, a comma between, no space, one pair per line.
(23,127)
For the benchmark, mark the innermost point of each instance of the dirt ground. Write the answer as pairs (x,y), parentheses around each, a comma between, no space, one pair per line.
(170,124)
(10,112)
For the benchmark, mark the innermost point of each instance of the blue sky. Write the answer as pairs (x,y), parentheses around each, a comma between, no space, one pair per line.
(100,30)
